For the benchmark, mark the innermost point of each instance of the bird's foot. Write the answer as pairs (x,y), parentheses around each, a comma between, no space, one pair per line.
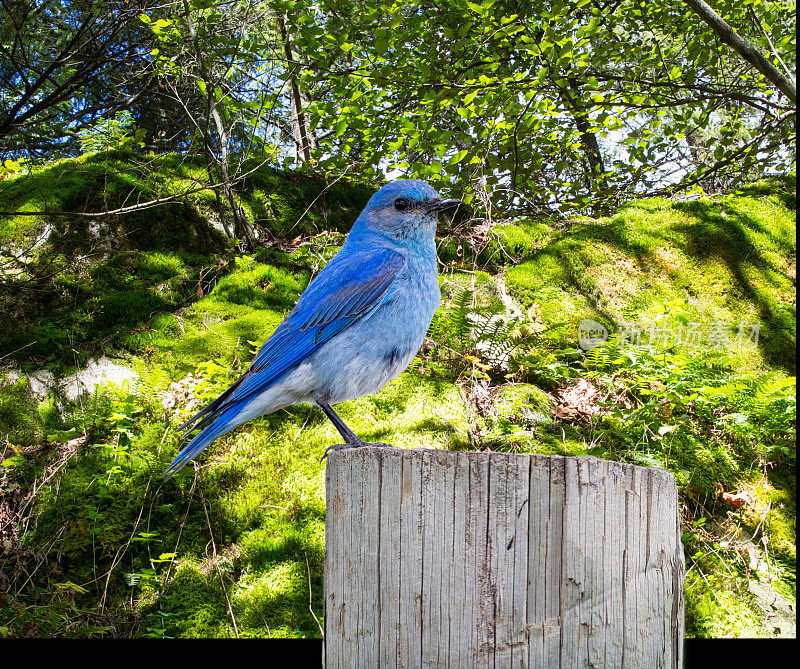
(352,444)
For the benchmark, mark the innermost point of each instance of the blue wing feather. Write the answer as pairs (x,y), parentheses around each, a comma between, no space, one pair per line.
(327,307)
(346,290)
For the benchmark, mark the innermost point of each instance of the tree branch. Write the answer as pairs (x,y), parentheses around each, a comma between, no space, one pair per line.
(728,35)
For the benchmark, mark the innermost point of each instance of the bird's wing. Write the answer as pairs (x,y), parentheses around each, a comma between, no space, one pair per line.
(335,300)
(347,290)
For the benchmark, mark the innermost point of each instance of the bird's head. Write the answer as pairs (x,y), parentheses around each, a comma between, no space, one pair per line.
(405,211)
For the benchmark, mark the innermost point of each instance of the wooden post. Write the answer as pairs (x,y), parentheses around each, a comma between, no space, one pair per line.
(453,559)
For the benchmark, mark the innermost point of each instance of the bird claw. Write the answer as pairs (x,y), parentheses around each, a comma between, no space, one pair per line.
(342,447)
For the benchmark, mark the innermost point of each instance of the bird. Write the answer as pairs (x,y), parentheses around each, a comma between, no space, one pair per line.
(356,327)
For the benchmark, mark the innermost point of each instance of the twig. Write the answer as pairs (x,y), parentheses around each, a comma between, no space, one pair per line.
(761,522)
(769,41)
(322,192)
(216,565)
(183,524)
(308,571)
(122,550)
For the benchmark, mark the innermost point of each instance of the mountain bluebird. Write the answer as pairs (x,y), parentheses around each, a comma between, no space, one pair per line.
(356,327)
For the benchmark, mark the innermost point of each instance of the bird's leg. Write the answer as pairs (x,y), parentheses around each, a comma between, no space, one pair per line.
(350,439)
(348,435)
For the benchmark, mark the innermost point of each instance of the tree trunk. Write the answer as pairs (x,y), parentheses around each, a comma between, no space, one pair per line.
(439,558)
(591,148)
(304,139)
(220,143)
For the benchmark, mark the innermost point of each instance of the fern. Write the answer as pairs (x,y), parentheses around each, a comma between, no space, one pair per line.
(769,389)
(468,334)
(459,316)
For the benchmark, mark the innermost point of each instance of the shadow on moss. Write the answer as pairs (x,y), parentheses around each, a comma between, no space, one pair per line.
(720,256)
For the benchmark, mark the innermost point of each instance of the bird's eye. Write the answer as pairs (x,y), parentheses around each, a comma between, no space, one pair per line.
(401,204)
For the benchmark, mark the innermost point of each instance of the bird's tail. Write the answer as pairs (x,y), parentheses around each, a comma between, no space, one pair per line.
(225,422)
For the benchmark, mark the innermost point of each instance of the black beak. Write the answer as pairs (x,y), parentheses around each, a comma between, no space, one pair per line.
(436,206)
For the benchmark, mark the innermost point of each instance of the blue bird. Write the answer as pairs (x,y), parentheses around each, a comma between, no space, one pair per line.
(356,327)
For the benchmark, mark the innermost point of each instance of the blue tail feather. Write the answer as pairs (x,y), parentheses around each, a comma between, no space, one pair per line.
(224,423)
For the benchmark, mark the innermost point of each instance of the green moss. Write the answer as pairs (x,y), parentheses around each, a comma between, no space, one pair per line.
(774,510)
(482,287)
(258,286)
(725,260)
(275,603)
(247,529)
(520,406)
(523,238)
(196,604)
(503,244)
(105,182)
(116,296)
(714,610)
(291,204)
(21,424)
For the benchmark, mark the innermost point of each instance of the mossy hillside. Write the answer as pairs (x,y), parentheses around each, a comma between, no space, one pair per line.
(60,325)
(280,204)
(96,281)
(19,414)
(258,491)
(290,205)
(261,486)
(714,611)
(105,182)
(259,498)
(728,260)
(225,326)
(498,245)
(713,415)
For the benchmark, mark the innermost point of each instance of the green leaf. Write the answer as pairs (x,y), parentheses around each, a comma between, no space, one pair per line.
(458,157)
(394,144)
(469,97)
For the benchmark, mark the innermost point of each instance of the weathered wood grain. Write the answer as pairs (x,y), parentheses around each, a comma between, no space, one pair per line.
(453,559)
